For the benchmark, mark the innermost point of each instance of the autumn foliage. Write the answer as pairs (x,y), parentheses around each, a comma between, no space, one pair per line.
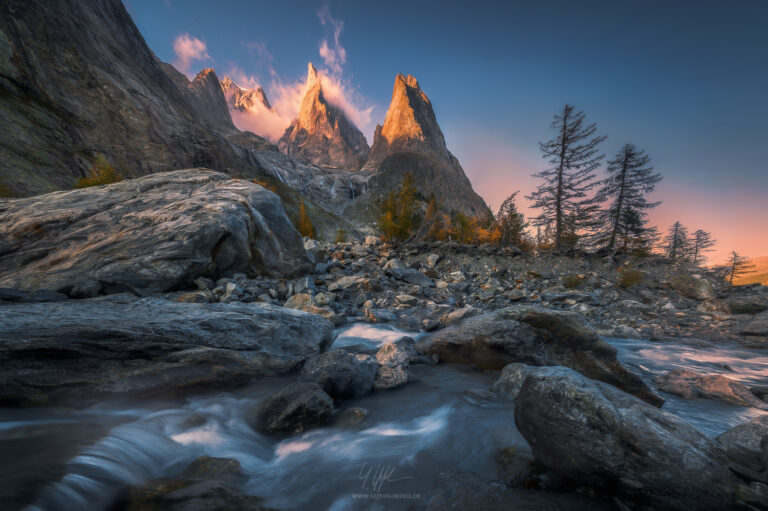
(304,224)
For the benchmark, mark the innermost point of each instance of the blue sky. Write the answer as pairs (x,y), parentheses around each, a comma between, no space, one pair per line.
(684,80)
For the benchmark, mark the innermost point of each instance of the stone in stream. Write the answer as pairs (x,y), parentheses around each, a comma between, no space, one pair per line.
(690,385)
(296,408)
(592,434)
(340,373)
(79,350)
(757,325)
(393,360)
(534,336)
(157,233)
(747,446)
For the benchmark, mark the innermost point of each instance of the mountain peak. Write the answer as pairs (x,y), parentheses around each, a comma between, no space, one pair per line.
(411,140)
(312,78)
(410,124)
(321,133)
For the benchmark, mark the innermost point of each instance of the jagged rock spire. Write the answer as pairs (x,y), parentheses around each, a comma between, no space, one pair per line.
(410,140)
(321,133)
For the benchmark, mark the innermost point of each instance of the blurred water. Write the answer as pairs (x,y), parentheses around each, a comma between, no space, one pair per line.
(711,417)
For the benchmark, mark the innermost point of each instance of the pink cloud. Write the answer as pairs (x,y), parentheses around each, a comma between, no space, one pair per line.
(188,49)
(333,54)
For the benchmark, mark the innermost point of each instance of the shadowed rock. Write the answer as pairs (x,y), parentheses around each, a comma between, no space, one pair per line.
(158,233)
(340,373)
(747,446)
(592,434)
(536,337)
(80,350)
(296,408)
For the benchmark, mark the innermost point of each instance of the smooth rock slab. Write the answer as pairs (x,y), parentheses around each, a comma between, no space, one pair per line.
(77,350)
(592,434)
(158,232)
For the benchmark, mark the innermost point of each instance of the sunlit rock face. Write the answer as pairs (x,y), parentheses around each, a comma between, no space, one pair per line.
(410,124)
(410,140)
(322,134)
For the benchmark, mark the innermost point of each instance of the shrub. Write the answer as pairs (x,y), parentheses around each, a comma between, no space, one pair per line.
(629,277)
(341,236)
(304,224)
(573,281)
(101,173)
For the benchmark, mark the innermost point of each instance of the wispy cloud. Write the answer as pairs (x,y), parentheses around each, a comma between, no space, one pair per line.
(333,53)
(188,49)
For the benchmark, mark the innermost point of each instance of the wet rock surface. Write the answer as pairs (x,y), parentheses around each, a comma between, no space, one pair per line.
(296,408)
(590,433)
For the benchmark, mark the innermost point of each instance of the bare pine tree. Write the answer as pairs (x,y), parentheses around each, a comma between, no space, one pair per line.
(737,266)
(676,241)
(702,242)
(573,157)
(630,179)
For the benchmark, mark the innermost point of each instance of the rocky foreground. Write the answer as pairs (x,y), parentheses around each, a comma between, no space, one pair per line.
(188,281)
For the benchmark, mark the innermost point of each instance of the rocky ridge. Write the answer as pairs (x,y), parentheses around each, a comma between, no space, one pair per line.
(106,94)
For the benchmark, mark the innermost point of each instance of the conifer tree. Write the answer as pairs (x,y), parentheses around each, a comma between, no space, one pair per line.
(676,241)
(738,266)
(573,156)
(630,179)
(511,223)
(702,242)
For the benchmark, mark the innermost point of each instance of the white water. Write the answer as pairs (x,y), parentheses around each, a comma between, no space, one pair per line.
(432,425)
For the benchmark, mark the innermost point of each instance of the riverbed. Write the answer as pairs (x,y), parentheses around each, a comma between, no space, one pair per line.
(443,419)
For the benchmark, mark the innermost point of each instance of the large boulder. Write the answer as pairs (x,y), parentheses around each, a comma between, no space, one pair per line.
(747,447)
(536,337)
(692,287)
(591,434)
(296,408)
(690,385)
(757,325)
(341,373)
(79,350)
(158,233)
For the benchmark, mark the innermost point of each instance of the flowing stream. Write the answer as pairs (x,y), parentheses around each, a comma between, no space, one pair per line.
(442,420)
